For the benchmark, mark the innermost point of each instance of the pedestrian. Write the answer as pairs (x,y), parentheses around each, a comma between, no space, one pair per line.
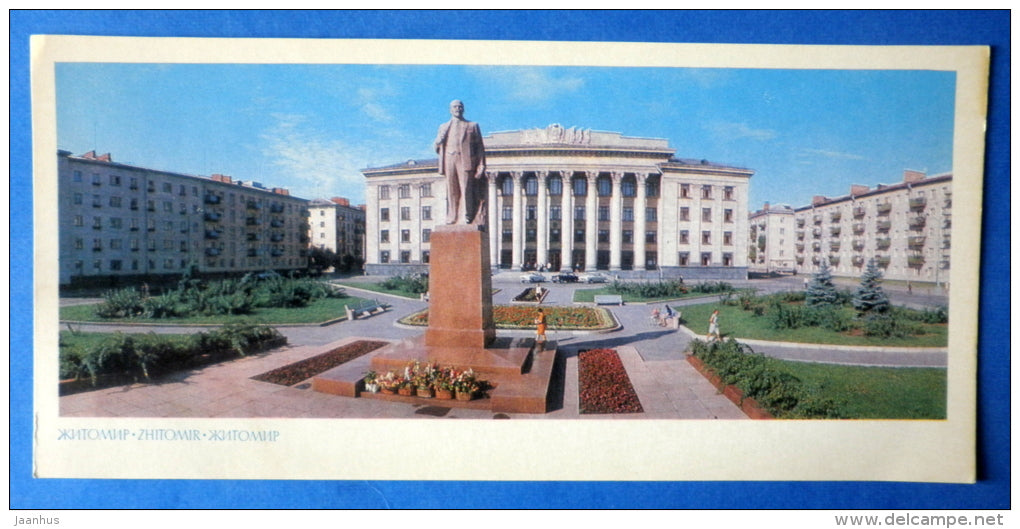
(540,329)
(668,319)
(713,326)
(656,317)
(910,288)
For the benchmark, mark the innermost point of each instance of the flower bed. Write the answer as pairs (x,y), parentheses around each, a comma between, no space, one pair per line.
(523,317)
(291,374)
(604,384)
(428,380)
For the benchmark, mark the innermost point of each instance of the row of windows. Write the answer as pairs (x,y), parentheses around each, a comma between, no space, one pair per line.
(684,258)
(404,191)
(556,213)
(604,188)
(531,235)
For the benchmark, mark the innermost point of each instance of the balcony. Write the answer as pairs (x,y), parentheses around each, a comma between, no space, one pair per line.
(276,237)
(944,265)
(276,253)
(884,209)
(800,223)
(251,204)
(858,212)
(815,260)
(816,233)
(834,260)
(918,204)
(212,216)
(858,228)
(857,261)
(817,219)
(276,223)
(917,223)
(253,252)
(883,225)
(857,245)
(212,199)
(835,216)
(276,208)
(253,221)
(946,243)
(254,237)
(213,234)
(947,224)
(816,247)
(800,235)
(915,243)
(800,259)
(800,247)
(835,231)
(883,244)
(882,261)
(915,261)
(834,246)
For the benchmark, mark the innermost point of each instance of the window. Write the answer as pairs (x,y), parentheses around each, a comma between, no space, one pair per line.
(685,237)
(508,213)
(628,236)
(384,256)
(728,193)
(605,186)
(384,215)
(706,237)
(651,214)
(532,212)
(78,265)
(425,190)
(182,190)
(578,212)
(97,223)
(133,183)
(727,259)
(628,214)
(727,215)
(184,246)
(555,186)
(508,235)
(580,187)
(405,235)
(531,186)
(168,206)
(79,244)
(650,237)
(555,213)
(426,213)
(77,200)
(685,214)
(134,245)
(116,223)
(97,201)
(727,238)
(404,191)
(384,194)
(685,258)
(384,236)
(97,264)
(425,256)
(114,180)
(706,214)
(603,213)
(168,188)
(97,245)
(706,259)
(168,264)
(168,244)
(97,179)
(507,187)
(168,225)
(530,235)
(652,188)
(115,202)
(405,256)
(554,234)
(603,236)
(685,190)
(405,213)
(322,224)
(426,235)
(579,235)
(76,176)
(628,187)
(706,191)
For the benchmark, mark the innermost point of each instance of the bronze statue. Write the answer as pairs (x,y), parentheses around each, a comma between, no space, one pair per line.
(462,162)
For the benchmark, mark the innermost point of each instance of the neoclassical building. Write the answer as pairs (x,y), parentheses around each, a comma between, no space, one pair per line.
(568,198)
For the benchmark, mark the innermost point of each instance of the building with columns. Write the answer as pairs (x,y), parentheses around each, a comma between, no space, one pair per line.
(905,227)
(577,199)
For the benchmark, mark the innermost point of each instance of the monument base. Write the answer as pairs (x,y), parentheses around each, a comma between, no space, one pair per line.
(460,288)
(519,373)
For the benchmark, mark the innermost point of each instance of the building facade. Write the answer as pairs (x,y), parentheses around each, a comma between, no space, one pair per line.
(574,199)
(771,242)
(120,222)
(337,226)
(905,227)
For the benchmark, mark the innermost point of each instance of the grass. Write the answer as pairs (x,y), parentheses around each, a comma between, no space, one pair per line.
(877,392)
(376,287)
(317,311)
(88,340)
(738,323)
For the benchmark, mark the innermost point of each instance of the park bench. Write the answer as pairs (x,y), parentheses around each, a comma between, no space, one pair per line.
(609,299)
(364,308)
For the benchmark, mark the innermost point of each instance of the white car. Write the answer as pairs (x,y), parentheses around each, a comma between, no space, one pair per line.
(532,277)
(594,277)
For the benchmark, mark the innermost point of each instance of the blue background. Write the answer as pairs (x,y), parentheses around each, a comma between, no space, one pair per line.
(752,27)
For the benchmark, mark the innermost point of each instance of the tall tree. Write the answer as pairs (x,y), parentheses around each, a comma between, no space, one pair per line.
(821,290)
(870,298)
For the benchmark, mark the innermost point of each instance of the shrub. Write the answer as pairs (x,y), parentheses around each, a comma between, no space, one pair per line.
(414,284)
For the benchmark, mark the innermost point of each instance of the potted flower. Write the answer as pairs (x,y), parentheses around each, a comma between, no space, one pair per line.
(443,385)
(466,385)
(405,387)
(370,382)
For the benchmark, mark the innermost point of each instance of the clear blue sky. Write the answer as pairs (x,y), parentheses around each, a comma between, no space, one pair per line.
(311,128)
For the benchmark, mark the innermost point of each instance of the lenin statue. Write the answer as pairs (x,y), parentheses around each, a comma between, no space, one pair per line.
(462,162)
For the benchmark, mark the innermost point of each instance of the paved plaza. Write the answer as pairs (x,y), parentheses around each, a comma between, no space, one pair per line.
(667,386)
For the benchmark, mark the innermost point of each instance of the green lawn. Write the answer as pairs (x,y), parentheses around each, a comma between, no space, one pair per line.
(877,392)
(376,287)
(738,323)
(316,312)
(87,340)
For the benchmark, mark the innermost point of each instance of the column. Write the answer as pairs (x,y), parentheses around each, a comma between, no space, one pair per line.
(591,230)
(567,222)
(639,222)
(518,220)
(616,222)
(493,221)
(542,240)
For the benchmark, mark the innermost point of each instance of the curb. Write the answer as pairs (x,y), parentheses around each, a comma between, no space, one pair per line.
(852,348)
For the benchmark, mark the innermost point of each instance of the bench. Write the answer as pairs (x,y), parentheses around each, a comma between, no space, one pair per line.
(365,308)
(609,299)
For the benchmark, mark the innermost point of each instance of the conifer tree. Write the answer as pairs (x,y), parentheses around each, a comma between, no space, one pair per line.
(821,291)
(870,298)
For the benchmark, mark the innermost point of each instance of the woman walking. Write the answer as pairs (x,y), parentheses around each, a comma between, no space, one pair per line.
(713,326)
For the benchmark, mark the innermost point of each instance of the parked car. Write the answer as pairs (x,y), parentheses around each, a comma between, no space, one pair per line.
(593,277)
(565,277)
(532,277)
